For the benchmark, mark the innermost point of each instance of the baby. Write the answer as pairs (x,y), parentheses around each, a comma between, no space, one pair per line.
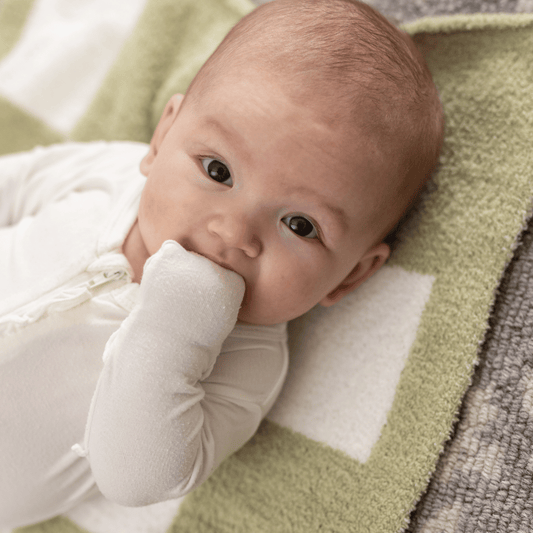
(142,314)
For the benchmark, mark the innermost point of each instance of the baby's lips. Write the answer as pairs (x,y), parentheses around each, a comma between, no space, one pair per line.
(228,272)
(217,261)
(236,284)
(233,277)
(233,283)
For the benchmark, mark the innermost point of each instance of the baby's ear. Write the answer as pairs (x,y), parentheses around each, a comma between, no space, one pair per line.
(369,264)
(165,122)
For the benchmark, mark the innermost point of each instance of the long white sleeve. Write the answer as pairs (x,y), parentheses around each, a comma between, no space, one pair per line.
(157,426)
(27,184)
(13,177)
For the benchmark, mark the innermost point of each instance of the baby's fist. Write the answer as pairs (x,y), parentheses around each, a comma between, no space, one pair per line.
(190,294)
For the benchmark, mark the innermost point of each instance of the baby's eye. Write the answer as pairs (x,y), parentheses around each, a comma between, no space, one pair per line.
(217,171)
(301,226)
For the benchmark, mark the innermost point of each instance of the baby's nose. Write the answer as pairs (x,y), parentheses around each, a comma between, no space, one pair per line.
(235,230)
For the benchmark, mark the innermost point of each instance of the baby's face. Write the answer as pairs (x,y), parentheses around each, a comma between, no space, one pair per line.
(264,187)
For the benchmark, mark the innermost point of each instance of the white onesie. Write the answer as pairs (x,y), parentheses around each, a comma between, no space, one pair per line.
(136,391)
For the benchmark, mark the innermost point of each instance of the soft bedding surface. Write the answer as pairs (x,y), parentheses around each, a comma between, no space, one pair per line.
(375,382)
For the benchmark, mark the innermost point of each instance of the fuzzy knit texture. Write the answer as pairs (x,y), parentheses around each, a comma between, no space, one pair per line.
(484,480)
(366,471)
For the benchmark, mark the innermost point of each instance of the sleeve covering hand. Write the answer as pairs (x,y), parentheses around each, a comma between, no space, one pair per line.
(150,433)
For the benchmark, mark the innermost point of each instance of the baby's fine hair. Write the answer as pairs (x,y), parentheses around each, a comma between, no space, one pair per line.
(360,68)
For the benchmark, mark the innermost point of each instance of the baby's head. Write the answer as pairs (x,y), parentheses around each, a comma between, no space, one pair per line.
(296,150)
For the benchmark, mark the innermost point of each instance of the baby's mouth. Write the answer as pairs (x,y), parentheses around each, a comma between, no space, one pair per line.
(228,267)
(212,258)
(219,262)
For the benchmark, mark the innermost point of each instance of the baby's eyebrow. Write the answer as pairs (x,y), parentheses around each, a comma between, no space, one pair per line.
(232,143)
(335,211)
(224,132)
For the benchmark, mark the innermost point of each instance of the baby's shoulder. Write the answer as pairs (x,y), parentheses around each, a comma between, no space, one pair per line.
(73,166)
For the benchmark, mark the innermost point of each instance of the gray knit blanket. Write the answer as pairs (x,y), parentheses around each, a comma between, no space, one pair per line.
(484,479)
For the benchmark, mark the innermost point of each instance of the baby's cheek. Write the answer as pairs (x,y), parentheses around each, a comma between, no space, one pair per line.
(149,210)
(291,292)
(283,287)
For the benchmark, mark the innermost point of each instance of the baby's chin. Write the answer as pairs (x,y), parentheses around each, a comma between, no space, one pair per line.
(256,316)
(254,313)
(264,305)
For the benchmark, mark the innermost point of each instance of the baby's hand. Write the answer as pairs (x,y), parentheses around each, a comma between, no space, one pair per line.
(190,295)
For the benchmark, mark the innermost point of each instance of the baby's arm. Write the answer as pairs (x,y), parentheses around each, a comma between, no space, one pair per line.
(31,180)
(151,434)
(13,177)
